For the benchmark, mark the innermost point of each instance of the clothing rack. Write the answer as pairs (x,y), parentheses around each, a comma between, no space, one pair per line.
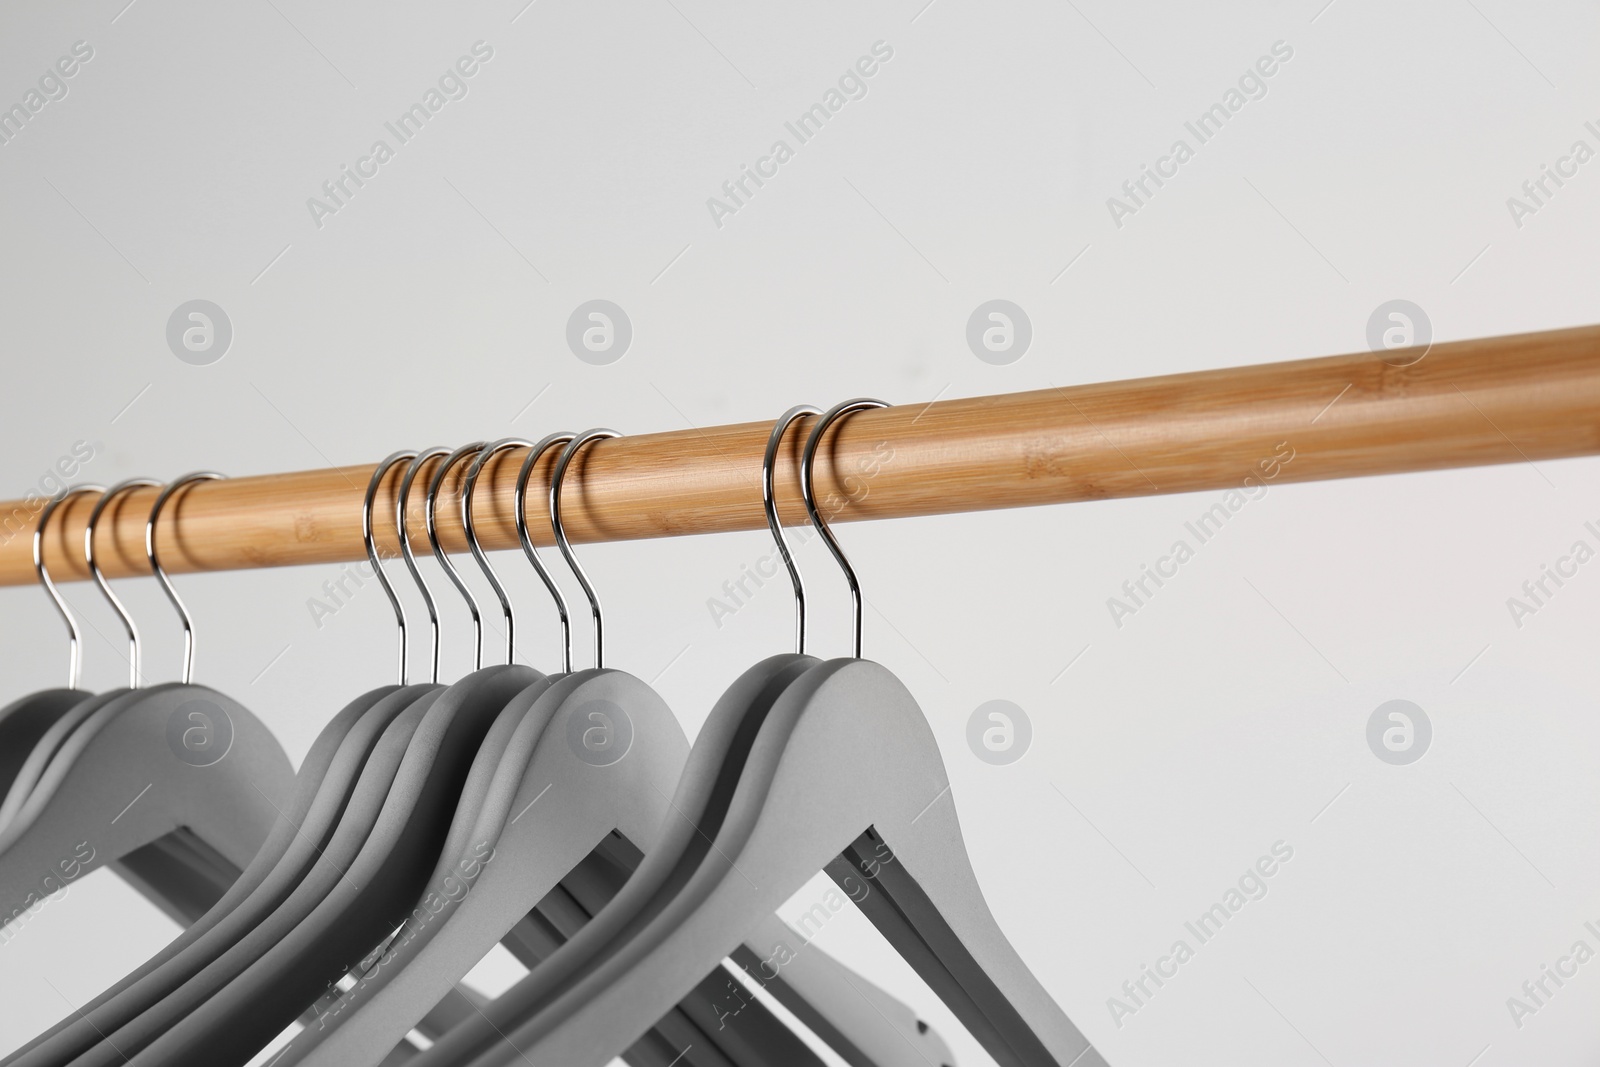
(1509,399)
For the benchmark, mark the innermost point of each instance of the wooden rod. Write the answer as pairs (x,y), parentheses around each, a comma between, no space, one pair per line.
(1468,403)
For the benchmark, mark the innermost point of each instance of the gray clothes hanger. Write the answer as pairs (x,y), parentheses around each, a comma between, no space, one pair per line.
(25,721)
(323,781)
(142,766)
(50,743)
(33,763)
(384,878)
(307,842)
(362,906)
(446,871)
(855,1019)
(816,786)
(827,985)
(488,898)
(178,872)
(357,800)
(454,857)
(509,742)
(28,732)
(174,963)
(529,856)
(844,765)
(405,710)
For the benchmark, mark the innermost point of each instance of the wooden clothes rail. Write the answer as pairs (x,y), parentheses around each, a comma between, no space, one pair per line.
(1467,403)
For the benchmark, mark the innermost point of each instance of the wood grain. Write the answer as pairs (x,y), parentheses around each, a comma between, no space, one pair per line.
(1498,400)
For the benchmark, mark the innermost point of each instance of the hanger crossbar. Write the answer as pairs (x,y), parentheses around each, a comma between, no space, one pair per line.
(1515,399)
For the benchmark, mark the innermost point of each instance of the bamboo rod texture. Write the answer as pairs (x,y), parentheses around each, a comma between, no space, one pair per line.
(1499,400)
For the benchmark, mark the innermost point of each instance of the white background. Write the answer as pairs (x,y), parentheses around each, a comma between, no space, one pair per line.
(1228,714)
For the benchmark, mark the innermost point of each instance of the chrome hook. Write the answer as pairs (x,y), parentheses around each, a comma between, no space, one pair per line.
(429,514)
(468,488)
(770,505)
(556,477)
(807,489)
(370,541)
(161,575)
(520,505)
(519,498)
(74,663)
(405,548)
(134,673)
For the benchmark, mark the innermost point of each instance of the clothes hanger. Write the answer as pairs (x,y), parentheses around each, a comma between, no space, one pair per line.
(460,866)
(674,834)
(371,897)
(29,730)
(562,910)
(449,870)
(170,984)
(559,914)
(298,827)
(446,877)
(25,720)
(455,863)
(139,767)
(178,872)
(521,872)
(536,714)
(844,775)
(33,767)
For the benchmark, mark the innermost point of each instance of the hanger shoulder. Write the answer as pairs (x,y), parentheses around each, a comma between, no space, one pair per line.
(675,836)
(38,759)
(150,763)
(24,722)
(298,824)
(353,813)
(845,750)
(596,753)
(368,901)
(460,862)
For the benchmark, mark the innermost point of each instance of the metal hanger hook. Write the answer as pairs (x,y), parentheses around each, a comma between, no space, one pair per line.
(371,542)
(556,476)
(410,558)
(430,505)
(770,503)
(520,507)
(161,575)
(74,663)
(134,673)
(470,487)
(808,460)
